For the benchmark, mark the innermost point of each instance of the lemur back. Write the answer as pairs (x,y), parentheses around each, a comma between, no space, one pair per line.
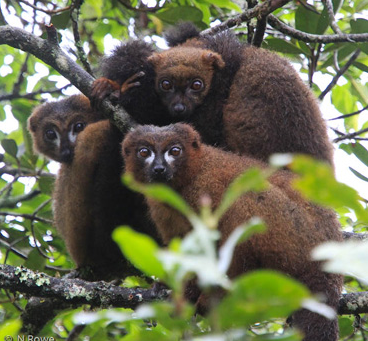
(175,155)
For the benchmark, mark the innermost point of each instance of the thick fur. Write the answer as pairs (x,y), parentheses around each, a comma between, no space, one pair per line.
(268,108)
(90,201)
(127,60)
(295,226)
(256,104)
(60,117)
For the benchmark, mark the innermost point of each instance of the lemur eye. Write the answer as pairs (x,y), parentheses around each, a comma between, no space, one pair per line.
(197,85)
(50,134)
(144,152)
(175,151)
(78,127)
(166,85)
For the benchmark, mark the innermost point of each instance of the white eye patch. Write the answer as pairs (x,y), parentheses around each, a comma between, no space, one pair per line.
(169,158)
(72,136)
(150,159)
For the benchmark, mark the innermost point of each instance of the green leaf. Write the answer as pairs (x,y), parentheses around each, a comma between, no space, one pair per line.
(140,249)
(182,13)
(282,46)
(360,152)
(359,175)
(346,327)
(252,180)
(324,20)
(360,26)
(224,4)
(10,147)
(61,21)
(260,296)
(361,66)
(306,20)
(317,182)
(10,328)
(159,192)
(46,184)
(21,109)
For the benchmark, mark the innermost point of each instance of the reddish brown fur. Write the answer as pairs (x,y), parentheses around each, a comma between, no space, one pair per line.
(254,102)
(60,116)
(90,201)
(295,227)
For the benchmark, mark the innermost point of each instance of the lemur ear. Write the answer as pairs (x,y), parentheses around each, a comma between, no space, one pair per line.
(214,59)
(155,59)
(32,124)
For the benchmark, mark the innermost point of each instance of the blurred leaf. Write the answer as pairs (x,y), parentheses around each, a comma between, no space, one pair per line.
(361,66)
(61,21)
(140,249)
(10,329)
(260,296)
(360,26)
(161,193)
(46,184)
(183,13)
(360,152)
(346,327)
(359,175)
(224,4)
(306,20)
(237,236)
(317,182)
(10,147)
(35,260)
(253,179)
(324,20)
(282,46)
(345,102)
(21,109)
(348,258)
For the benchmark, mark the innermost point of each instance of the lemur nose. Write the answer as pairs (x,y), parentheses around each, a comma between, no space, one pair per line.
(159,169)
(179,107)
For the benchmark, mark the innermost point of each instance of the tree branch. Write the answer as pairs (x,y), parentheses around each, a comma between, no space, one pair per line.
(50,52)
(100,294)
(11,202)
(259,11)
(339,73)
(315,38)
(76,291)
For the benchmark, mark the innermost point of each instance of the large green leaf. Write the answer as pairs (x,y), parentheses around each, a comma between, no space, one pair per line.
(252,180)
(159,192)
(282,46)
(174,15)
(306,20)
(317,182)
(260,296)
(360,152)
(360,26)
(140,249)
(10,147)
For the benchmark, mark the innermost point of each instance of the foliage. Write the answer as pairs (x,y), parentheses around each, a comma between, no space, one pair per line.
(28,237)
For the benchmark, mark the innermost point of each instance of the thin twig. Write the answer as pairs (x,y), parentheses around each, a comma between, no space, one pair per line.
(261,10)
(349,115)
(47,11)
(339,74)
(74,16)
(315,38)
(26,216)
(350,136)
(331,15)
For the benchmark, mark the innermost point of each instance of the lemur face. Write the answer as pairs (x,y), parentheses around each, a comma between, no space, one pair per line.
(157,154)
(55,126)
